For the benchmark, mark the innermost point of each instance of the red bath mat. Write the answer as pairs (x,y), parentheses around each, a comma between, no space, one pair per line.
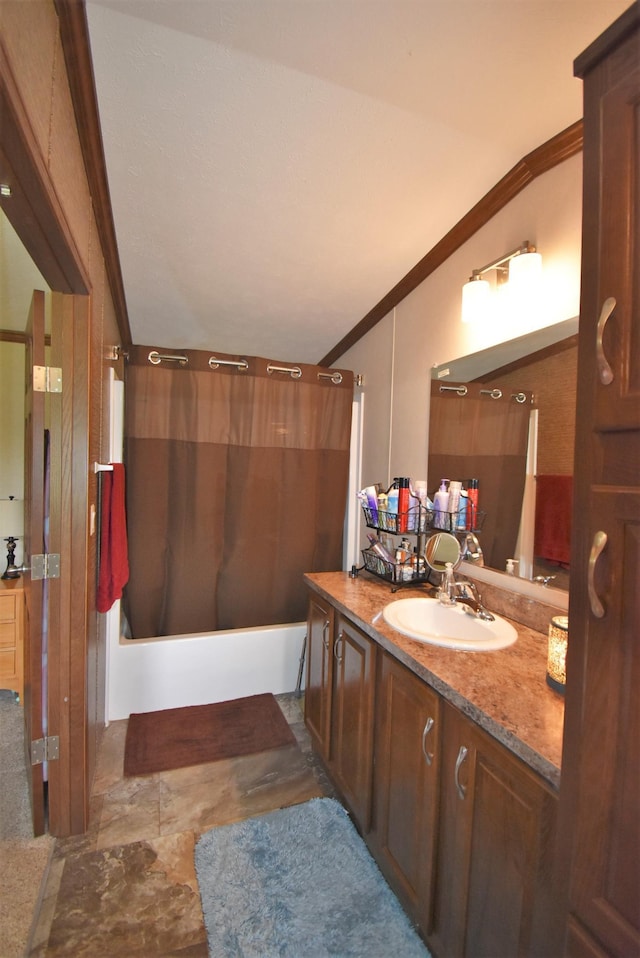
(175,738)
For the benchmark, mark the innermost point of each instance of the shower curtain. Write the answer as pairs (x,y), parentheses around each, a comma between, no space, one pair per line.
(236,485)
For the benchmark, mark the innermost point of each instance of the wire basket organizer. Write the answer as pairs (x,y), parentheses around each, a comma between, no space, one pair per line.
(418,519)
(396,572)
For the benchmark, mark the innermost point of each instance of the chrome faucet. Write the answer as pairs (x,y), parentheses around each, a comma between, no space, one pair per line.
(466,593)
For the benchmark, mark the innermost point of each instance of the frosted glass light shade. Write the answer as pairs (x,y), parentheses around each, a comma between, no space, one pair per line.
(525,272)
(476,295)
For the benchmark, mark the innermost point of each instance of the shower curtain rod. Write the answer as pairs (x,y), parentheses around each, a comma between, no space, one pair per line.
(155,358)
(493,393)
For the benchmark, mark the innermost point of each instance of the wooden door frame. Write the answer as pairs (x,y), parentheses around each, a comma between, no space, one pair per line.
(36,215)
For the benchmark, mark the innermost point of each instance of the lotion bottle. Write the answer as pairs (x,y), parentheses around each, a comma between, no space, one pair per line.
(441,506)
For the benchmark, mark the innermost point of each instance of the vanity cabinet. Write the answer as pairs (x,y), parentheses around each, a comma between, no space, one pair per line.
(317,697)
(352,706)
(339,703)
(600,791)
(496,834)
(405,803)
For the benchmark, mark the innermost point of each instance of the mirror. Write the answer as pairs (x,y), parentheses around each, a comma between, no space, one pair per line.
(543,363)
(440,549)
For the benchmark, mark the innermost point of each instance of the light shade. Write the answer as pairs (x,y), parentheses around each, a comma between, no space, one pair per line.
(557,653)
(525,272)
(11,518)
(476,296)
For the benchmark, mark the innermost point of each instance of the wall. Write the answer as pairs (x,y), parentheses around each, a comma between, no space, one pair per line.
(424,330)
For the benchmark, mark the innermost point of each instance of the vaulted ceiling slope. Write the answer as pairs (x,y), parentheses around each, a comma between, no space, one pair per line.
(276,166)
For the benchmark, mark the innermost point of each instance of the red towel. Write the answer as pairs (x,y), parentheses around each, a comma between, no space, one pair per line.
(114,560)
(554,502)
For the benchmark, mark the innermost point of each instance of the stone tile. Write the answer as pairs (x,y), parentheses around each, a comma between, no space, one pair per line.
(292,706)
(128,900)
(130,812)
(110,761)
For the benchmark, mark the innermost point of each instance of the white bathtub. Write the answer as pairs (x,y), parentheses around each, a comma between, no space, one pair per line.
(144,675)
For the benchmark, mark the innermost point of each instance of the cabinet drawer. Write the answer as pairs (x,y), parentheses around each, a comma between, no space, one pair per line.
(7,665)
(7,635)
(7,608)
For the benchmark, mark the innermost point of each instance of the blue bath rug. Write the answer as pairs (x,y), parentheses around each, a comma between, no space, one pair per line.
(298,883)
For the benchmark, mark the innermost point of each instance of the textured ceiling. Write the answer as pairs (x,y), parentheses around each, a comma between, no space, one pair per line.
(276,166)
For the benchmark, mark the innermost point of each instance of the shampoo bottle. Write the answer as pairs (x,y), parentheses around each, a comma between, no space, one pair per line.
(472,494)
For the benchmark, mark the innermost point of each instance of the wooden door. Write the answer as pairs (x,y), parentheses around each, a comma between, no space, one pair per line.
(352,718)
(34,457)
(600,791)
(405,796)
(317,696)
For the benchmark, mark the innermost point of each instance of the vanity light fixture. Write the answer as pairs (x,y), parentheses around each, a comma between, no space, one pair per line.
(521,268)
(557,653)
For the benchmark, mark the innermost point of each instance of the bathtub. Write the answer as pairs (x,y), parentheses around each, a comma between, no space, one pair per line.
(145,675)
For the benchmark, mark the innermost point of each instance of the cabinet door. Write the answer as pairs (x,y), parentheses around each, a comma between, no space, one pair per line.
(317,696)
(405,785)
(600,790)
(495,852)
(352,718)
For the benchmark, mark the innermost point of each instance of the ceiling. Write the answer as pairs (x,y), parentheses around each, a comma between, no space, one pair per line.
(277,166)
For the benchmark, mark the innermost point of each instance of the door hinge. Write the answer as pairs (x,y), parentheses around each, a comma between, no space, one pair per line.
(45,566)
(45,749)
(47,379)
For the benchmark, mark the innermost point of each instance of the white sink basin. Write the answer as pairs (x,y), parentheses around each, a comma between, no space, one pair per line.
(450,626)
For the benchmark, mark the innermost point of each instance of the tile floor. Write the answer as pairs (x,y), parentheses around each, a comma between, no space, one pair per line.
(127,887)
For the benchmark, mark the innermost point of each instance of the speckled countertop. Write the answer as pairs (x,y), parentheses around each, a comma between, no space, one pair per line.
(504,692)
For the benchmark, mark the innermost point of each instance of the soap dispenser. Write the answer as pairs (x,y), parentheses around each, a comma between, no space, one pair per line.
(447,593)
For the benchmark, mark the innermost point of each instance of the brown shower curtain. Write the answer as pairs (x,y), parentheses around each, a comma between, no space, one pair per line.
(236,486)
(477,437)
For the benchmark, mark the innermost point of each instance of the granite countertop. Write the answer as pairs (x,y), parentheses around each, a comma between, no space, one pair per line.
(505,692)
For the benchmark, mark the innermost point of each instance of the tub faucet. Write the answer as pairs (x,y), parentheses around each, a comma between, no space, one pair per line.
(466,593)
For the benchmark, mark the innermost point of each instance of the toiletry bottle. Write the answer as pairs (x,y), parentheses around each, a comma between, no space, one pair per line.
(455,488)
(392,505)
(472,494)
(441,505)
(462,510)
(403,504)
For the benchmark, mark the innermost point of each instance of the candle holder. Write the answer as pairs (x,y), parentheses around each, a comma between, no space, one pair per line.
(557,653)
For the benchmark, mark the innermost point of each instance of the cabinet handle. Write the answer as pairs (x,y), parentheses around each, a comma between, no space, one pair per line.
(338,655)
(462,754)
(325,635)
(428,756)
(598,544)
(604,369)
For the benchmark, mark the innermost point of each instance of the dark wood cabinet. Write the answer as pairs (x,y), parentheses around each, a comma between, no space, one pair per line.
(339,703)
(496,835)
(599,861)
(351,749)
(317,699)
(406,785)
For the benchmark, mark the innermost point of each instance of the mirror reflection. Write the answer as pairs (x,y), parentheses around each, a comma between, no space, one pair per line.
(521,452)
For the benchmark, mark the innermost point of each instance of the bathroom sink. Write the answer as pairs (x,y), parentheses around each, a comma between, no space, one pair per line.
(450,626)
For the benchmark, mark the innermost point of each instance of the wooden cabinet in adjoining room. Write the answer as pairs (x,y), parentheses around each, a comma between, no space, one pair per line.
(496,833)
(599,860)
(405,803)
(12,636)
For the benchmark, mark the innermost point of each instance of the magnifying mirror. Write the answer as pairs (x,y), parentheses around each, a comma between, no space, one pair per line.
(440,549)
